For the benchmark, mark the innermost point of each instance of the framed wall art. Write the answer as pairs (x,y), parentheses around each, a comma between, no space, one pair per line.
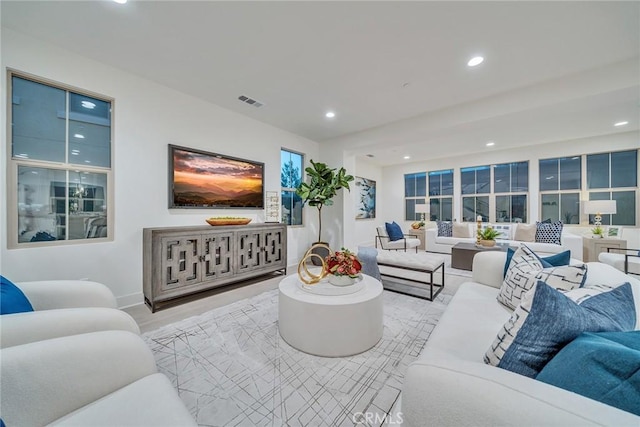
(365,198)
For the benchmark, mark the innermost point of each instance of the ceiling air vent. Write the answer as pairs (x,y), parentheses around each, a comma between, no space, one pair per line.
(250,101)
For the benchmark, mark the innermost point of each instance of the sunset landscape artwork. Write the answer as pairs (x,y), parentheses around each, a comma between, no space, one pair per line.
(211,180)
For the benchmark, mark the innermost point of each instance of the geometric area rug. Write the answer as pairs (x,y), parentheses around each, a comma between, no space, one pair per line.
(232,368)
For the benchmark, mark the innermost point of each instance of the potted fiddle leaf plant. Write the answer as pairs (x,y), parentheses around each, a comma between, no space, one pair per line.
(322,186)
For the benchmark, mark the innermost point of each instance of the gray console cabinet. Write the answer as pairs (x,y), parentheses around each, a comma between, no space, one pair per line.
(180,261)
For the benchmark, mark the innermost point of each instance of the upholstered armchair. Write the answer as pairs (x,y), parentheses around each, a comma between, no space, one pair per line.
(61,308)
(625,260)
(408,241)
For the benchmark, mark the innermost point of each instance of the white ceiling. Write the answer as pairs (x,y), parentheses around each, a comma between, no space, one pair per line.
(394,72)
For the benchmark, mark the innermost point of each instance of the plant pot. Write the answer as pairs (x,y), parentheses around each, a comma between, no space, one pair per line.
(487,243)
(320,250)
(597,236)
(341,280)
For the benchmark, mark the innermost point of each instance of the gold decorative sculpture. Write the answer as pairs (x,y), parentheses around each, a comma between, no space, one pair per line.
(308,277)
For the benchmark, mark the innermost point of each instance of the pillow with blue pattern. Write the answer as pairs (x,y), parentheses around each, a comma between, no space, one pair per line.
(562,258)
(547,319)
(549,232)
(393,231)
(445,228)
(526,269)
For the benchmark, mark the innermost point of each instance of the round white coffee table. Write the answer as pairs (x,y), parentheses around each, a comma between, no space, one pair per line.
(330,325)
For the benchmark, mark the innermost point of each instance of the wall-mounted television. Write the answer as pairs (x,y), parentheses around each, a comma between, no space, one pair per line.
(199,179)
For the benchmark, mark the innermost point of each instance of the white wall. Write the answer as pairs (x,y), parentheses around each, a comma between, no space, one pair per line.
(391,192)
(147,117)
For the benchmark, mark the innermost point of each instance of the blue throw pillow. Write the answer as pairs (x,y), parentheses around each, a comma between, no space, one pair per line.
(12,300)
(602,366)
(393,231)
(557,260)
(547,319)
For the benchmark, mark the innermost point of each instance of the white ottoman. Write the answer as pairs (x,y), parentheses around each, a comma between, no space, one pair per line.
(417,268)
(330,325)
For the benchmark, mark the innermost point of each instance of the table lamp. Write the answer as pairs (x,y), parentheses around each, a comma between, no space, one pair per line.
(422,209)
(599,207)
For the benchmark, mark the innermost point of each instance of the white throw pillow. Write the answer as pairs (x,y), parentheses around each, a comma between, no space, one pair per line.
(461,230)
(525,233)
(525,270)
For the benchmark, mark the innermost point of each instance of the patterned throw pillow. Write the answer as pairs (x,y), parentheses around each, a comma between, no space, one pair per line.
(445,229)
(549,232)
(526,269)
(548,319)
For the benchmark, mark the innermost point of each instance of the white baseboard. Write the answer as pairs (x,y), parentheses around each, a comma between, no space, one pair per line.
(130,300)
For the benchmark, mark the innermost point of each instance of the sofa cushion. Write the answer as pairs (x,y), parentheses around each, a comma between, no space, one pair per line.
(547,319)
(526,269)
(525,232)
(12,299)
(562,258)
(609,368)
(445,228)
(460,230)
(393,231)
(549,232)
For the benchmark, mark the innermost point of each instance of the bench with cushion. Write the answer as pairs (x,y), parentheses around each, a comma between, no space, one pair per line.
(418,268)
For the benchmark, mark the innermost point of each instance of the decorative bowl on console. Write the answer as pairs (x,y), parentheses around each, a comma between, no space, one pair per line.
(227,220)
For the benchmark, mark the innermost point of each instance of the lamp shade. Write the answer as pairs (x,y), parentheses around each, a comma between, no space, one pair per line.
(424,208)
(600,207)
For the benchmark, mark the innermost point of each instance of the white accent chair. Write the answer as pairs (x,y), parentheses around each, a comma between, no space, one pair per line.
(100,378)
(62,308)
(625,260)
(408,241)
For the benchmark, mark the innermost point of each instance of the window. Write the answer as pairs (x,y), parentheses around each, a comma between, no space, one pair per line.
(441,195)
(290,178)
(560,185)
(475,180)
(512,178)
(415,191)
(60,163)
(617,174)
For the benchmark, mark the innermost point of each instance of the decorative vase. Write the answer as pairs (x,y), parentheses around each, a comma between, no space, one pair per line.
(341,280)
(487,243)
(322,250)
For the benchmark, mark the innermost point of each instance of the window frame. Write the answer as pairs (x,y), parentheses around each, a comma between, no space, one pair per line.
(607,219)
(13,164)
(510,194)
(292,190)
(440,198)
(415,198)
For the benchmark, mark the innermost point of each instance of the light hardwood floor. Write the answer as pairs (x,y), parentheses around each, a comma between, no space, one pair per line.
(202,303)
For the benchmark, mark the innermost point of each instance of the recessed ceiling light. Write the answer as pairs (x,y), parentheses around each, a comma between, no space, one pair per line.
(88,104)
(406,157)
(490,144)
(476,60)
(330,115)
(78,135)
(621,123)
(87,161)
(120,1)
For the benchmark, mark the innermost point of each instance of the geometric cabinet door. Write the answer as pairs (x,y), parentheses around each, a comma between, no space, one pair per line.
(180,261)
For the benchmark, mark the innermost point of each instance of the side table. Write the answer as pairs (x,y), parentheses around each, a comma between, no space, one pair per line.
(591,247)
(420,234)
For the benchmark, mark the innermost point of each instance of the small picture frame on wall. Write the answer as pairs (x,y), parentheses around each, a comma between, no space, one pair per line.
(614,232)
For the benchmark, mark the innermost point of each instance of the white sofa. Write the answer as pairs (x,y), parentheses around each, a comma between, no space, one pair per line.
(450,384)
(106,378)
(62,308)
(573,242)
